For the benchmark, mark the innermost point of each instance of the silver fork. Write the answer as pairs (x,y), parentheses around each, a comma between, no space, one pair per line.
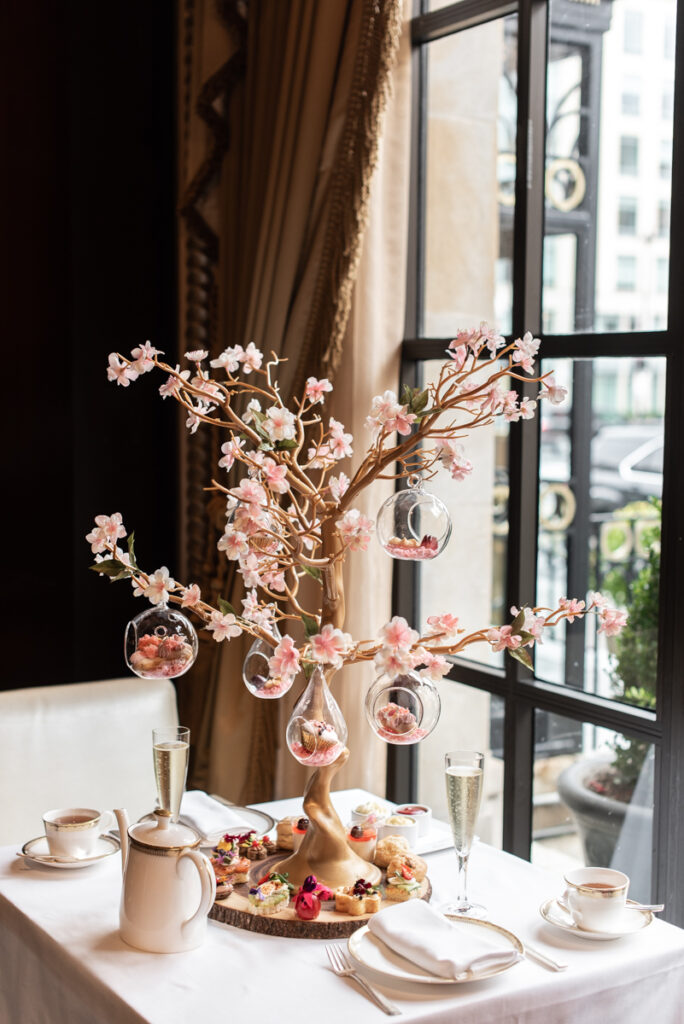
(342,966)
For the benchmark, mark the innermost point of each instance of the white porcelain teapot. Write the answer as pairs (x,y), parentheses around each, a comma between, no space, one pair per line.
(168,885)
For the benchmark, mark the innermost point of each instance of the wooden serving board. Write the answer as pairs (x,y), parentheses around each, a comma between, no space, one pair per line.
(234,909)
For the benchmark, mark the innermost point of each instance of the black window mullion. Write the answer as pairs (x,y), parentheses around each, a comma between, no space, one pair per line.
(528,240)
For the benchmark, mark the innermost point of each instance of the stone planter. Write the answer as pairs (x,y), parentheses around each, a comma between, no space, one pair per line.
(600,819)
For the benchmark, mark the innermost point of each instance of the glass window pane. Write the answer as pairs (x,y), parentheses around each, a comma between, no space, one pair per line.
(470,177)
(599,522)
(609,143)
(592,800)
(469,577)
(470,720)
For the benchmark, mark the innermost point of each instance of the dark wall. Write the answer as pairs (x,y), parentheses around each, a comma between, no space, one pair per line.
(88,267)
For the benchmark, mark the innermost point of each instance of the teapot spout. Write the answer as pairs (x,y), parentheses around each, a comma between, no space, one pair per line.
(122,819)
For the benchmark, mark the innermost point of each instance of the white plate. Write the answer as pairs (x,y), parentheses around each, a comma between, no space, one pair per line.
(260,821)
(369,951)
(633,921)
(38,851)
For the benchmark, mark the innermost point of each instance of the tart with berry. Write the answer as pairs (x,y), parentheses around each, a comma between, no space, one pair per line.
(357,899)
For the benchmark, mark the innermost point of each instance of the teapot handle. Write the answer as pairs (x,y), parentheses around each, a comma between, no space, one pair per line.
(208,882)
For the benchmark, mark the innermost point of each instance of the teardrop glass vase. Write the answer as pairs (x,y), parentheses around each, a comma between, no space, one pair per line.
(317,731)
(256,674)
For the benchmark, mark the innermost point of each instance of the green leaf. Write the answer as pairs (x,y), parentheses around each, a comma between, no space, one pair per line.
(313,571)
(406,395)
(518,622)
(111,567)
(307,669)
(310,625)
(226,607)
(419,400)
(522,655)
(287,444)
(131,552)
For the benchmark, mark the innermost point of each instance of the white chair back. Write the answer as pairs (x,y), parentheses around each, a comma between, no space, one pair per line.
(79,745)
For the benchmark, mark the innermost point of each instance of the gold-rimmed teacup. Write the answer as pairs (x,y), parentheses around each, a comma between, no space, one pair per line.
(73,832)
(596,898)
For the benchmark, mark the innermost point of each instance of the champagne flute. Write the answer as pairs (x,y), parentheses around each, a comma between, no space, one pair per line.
(463,772)
(171,751)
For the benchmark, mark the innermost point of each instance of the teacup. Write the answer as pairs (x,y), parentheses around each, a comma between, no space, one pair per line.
(596,898)
(73,832)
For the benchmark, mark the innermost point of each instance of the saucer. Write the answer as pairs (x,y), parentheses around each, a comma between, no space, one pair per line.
(632,921)
(38,851)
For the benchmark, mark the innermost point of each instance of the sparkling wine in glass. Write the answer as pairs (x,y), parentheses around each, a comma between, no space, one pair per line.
(463,773)
(171,751)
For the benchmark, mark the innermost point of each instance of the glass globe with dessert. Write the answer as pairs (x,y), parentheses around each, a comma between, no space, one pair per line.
(292,515)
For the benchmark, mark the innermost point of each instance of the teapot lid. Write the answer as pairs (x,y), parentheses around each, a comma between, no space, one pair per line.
(160,832)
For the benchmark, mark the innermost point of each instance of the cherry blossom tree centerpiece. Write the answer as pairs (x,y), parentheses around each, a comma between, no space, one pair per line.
(291,516)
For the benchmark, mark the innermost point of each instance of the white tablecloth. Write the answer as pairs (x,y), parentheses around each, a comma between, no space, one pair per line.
(62,961)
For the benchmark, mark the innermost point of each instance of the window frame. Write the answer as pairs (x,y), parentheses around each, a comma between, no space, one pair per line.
(523,694)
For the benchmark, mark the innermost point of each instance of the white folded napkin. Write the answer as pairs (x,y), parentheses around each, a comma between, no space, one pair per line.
(208,816)
(422,935)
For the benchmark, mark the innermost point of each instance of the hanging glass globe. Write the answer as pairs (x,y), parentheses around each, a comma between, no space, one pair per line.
(403,709)
(160,643)
(317,732)
(256,673)
(413,524)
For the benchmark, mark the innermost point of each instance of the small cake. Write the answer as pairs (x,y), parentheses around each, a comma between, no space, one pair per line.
(318,736)
(415,864)
(402,883)
(395,720)
(270,896)
(359,898)
(307,901)
(298,832)
(362,839)
(390,847)
(412,549)
(284,832)
(161,656)
(223,889)
(255,848)
(229,866)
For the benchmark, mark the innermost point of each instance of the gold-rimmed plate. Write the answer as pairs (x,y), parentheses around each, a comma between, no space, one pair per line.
(38,851)
(369,951)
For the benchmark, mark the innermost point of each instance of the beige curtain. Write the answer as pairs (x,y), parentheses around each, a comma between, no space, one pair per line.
(291,120)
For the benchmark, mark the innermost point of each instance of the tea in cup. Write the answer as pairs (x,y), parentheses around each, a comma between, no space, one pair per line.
(73,832)
(595,897)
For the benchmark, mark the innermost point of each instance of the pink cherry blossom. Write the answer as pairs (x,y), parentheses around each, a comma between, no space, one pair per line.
(207,387)
(340,442)
(491,337)
(452,457)
(275,476)
(436,667)
(274,579)
(315,389)
(224,627)
(254,611)
(285,660)
(251,358)
(230,449)
(171,387)
(229,359)
(97,539)
(320,457)
(122,373)
(144,357)
(252,407)
(355,530)
(234,543)
(249,568)
(112,526)
(192,596)
(446,624)
(595,598)
(337,485)
(527,408)
(251,519)
(160,583)
(280,424)
(571,607)
(330,646)
(397,634)
(555,392)
(612,621)
(503,638)
(197,355)
(532,624)
(459,353)
(393,662)
(250,491)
